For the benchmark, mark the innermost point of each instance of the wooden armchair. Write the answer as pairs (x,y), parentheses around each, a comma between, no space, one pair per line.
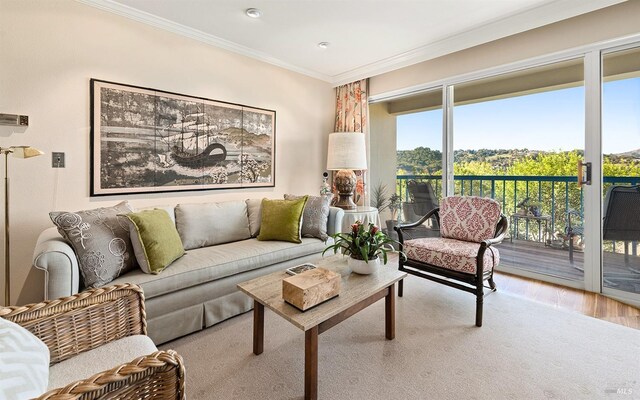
(464,256)
(76,324)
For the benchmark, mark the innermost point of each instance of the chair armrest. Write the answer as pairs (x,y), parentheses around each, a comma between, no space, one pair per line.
(74,324)
(419,222)
(501,231)
(401,227)
(334,223)
(57,259)
(159,375)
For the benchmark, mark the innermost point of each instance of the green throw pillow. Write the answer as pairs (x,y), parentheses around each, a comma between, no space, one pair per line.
(282,219)
(155,239)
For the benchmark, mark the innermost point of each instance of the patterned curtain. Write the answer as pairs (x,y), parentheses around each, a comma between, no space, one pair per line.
(352,114)
(352,107)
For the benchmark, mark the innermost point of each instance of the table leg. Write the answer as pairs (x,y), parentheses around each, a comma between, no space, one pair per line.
(311,364)
(258,328)
(390,313)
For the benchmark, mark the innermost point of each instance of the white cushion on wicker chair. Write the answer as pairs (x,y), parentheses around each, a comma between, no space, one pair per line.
(24,362)
(103,358)
(451,254)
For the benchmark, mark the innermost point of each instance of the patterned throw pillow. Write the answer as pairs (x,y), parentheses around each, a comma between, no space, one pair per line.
(469,218)
(24,363)
(315,215)
(101,241)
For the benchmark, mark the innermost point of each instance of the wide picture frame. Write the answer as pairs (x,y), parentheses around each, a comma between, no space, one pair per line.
(151,141)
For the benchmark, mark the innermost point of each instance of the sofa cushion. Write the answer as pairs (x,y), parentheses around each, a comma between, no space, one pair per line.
(198,266)
(100,359)
(254,211)
(282,219)
(24,362)
(207,224)
(314,216)
(456,255)
(155,240)
(100,239)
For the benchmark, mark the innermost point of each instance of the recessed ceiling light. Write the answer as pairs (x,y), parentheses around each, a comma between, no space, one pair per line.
(323,45)
(253,13)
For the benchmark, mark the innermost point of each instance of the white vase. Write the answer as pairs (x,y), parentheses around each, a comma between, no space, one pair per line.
(362,267)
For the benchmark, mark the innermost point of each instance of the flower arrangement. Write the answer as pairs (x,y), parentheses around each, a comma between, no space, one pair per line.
(363,243)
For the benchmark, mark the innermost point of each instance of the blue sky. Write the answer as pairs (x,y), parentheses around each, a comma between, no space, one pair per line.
(543,121)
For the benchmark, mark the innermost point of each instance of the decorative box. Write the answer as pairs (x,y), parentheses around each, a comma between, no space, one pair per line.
(310,288)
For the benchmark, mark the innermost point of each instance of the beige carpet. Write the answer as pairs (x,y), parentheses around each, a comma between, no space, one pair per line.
(525,350)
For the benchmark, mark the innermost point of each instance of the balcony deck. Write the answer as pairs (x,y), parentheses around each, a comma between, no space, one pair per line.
(537,257)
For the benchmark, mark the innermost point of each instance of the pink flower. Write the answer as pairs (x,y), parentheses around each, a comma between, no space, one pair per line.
(374,229)
(355,227)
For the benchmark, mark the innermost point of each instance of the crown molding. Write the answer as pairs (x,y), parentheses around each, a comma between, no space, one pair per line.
(174,27)
(510,25)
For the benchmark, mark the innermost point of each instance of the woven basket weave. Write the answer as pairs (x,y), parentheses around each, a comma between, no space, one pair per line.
(90,319)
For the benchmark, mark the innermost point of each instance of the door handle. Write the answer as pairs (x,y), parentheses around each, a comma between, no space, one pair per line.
(582,179)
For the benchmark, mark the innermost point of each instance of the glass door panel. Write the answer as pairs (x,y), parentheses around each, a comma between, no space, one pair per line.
(518,138)
(419,153)
(621,171)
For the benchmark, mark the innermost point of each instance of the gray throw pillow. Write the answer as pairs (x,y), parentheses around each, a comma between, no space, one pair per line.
(208,224)
(101,241)
(254,211)
(314,216)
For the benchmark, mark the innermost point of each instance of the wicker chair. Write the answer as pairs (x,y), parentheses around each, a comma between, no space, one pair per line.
(465,256)
(90,319)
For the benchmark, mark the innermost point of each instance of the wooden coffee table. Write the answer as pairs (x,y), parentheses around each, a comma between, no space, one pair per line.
(357,292)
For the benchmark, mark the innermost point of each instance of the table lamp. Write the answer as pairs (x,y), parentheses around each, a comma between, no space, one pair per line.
(346,152)
(17,152)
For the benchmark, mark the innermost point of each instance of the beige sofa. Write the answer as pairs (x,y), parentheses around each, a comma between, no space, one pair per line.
(199,289)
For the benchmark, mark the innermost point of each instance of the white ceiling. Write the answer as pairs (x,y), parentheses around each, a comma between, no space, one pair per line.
(367,37)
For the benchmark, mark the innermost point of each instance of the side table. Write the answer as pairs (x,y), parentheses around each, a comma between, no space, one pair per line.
(542,222)
(364,214)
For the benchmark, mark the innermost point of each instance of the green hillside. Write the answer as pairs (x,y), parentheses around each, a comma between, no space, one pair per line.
(425,161)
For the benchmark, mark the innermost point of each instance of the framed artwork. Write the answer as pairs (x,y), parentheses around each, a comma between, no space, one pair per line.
(148,141)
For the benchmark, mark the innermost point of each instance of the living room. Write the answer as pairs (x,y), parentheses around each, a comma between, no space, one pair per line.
(51,50)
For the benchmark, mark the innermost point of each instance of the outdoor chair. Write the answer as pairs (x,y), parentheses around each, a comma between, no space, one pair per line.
(423,200)
(573,230)
(622,216)
(464,256)
(96,329)
(422,197)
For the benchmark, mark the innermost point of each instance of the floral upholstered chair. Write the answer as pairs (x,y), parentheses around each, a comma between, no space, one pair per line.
(465,252)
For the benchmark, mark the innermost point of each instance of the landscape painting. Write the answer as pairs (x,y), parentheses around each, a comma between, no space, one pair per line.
(147,140)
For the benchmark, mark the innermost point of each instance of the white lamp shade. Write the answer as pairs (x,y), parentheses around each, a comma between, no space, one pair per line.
(347,150)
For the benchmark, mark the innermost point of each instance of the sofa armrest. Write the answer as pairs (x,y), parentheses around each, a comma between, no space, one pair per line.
(57,259)
(156,376)
(75,324)
(334,224)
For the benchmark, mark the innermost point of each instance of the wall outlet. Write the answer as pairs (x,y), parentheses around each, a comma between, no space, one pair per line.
(57,159)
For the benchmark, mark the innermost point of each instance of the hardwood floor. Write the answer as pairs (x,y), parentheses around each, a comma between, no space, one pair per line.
(587,303)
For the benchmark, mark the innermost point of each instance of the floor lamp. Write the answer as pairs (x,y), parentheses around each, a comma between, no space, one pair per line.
(18,152)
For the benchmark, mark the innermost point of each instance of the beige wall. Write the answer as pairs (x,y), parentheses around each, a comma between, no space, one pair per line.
(616,21)
(48,52)
(382,136)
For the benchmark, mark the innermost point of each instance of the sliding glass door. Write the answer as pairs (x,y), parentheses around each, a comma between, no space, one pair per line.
(517,138)
(557,142)
(621,172)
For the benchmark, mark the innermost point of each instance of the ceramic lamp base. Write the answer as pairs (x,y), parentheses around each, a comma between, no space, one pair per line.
(345,182)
